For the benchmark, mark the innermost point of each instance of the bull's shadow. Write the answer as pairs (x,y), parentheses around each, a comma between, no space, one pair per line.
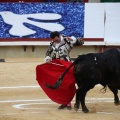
(92,69)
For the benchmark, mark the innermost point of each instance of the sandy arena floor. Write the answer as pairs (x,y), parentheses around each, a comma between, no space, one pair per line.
(21,98)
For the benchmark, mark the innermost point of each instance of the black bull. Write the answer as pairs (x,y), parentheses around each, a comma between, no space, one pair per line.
(91,69)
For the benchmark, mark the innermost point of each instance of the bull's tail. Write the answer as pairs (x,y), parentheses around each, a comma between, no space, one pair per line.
(60,79)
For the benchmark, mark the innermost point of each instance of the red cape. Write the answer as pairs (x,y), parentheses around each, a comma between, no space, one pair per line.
(49,73)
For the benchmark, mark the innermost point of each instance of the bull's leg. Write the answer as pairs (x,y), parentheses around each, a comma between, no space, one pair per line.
(81,93)
(115,92)
(82,101)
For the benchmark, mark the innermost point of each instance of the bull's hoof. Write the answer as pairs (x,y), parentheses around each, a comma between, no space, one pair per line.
(76,107)
(85,111)
(117,103)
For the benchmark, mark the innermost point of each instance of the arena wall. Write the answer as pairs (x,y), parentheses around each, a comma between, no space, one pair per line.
(101,32)
(39,51)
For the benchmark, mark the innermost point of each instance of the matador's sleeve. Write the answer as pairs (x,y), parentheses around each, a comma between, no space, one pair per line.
(79,42)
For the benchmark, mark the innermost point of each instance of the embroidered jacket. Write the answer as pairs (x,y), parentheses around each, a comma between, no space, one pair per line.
(61,50)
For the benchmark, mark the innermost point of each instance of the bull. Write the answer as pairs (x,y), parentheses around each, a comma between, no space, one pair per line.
(92,69)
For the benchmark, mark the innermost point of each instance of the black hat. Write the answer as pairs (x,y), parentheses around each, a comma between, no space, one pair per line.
(54,34)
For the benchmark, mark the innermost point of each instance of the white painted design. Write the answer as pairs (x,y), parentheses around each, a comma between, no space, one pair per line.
(27,104)
(19,87)
(17,20)
(13,101)
(47,109)
(42,102)
(22,106)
